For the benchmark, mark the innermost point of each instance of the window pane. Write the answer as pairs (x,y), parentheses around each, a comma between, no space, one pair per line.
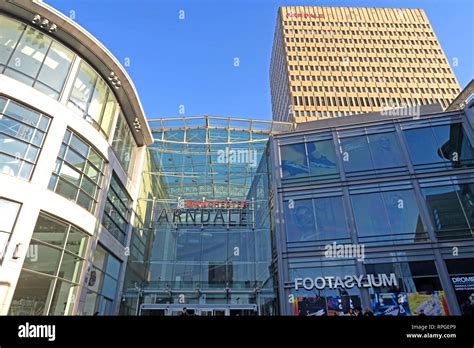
(70,174)
(50,231)
(31,294)
(66,190)
(466,193)
(356,154)
(9,165)
(75,159)
(299,218)
(330,221)
(113,266)
(79,145)
(109,288)
(30,52)
(43,258)
(70,268)
(9,35)
(422,146)
(403,213)
(293,160)
(13,147)
(385,150)
(63,299)
(22,113)
(83,88)
(77,242)
(109,113)
(123,143)
(98,100)
(322,157)
(370,205)
(445,208)
(188,247)
(56,67)
(214,246)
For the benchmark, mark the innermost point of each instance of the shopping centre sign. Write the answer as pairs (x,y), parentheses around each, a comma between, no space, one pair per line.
(207,212)
(347,282)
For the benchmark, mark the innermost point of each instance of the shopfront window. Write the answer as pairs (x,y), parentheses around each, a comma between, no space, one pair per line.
(393,216)
(93,99)
(461,273)
(419,290)
(123,143)
(33,58)
(103,281)
(439,145)
(451,209)
(22,132)
(9,212)
(315,220)
(78,172)
(117,210)
(51,272)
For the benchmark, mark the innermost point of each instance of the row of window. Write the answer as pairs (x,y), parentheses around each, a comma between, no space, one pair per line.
(361,24)
(79,169)
(33,58)
(410,70)
(414,51)
(386,79)
(436,146)
(369,89)
(357,58)
(307,101)
(375,41)
(359,32)
(394,216)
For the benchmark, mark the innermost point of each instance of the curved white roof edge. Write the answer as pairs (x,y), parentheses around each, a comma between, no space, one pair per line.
(93,51)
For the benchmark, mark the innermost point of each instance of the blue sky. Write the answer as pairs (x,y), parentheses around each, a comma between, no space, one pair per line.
(190,62)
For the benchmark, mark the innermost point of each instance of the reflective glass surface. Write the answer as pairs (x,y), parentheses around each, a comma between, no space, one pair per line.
(205,193)
(33,58)
(117,210)
(22,132)
(387,216)
(445,145)
(78,172)
(56,256)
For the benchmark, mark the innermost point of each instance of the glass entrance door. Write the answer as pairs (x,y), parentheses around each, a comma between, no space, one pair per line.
(198,310)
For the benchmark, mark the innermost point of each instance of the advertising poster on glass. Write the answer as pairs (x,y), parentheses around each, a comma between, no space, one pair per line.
(464,288)
(342,305)
(390,304)
(310,306)
(426,304)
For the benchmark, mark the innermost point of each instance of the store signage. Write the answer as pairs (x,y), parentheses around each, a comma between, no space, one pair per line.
(347,282)
(303,15)
(205,213)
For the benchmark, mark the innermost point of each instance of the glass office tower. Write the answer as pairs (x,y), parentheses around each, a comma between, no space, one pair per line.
(205,238)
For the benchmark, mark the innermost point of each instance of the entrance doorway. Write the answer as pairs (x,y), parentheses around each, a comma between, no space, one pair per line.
(198,310)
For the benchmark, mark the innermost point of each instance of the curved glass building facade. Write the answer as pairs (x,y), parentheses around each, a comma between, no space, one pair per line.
(72,136)
(206,219)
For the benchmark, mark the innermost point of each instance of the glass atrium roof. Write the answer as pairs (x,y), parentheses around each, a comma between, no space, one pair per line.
(211,157)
